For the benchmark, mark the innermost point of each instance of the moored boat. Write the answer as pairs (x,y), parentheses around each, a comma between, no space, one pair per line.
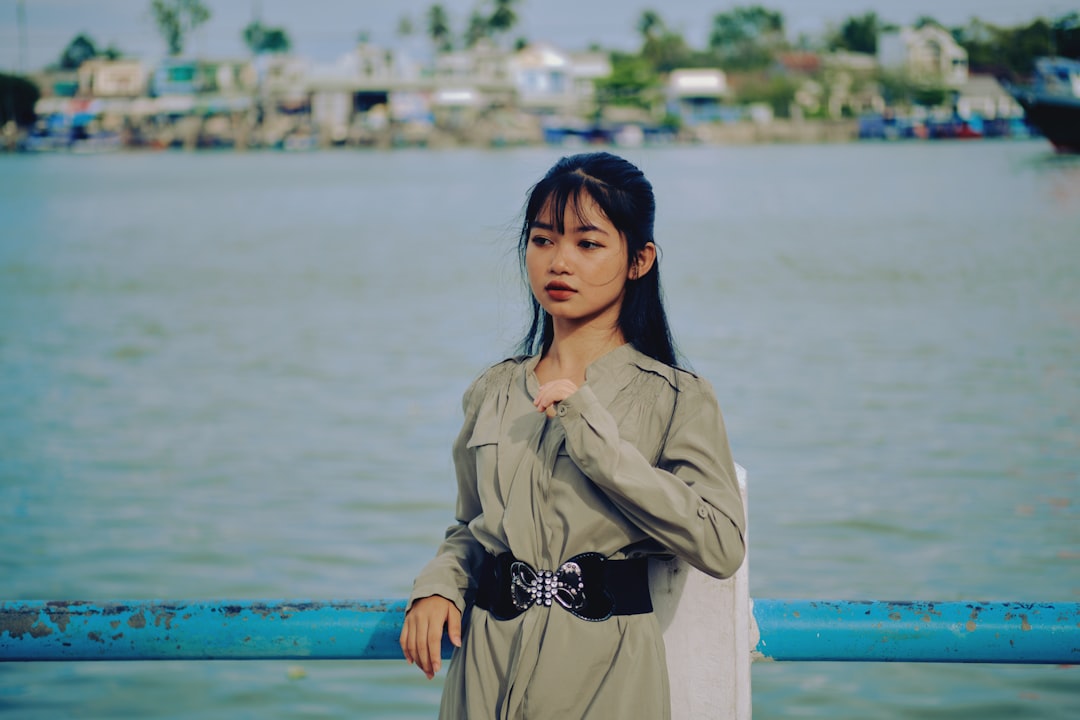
(1052,102)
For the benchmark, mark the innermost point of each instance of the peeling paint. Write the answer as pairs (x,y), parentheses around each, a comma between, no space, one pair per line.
(16,624)
(60,618)
(162,616)
(40,630)
(137,621)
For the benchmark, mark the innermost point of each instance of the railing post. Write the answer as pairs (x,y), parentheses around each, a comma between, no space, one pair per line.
(709,631)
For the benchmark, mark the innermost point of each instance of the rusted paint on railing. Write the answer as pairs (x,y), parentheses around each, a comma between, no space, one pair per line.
(946,632)
(200,630)
(789,630)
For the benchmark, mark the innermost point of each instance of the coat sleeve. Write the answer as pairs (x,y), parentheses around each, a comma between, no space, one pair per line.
(450,573)
(691,502)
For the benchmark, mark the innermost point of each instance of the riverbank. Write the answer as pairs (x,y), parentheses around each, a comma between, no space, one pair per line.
(493,130)
(499,128)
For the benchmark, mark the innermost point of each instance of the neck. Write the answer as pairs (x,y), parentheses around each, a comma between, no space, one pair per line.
(574,348)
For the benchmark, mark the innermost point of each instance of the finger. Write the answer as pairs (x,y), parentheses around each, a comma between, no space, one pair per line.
(404,640)
(453,627)
(423,658)
(434,643)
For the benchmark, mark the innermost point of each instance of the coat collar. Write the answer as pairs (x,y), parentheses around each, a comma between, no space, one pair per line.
(611,372)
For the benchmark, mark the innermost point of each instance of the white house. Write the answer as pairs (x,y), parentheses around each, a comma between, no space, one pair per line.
(928,54)
(113,78)
(548,79)
(984,96)
(696,95)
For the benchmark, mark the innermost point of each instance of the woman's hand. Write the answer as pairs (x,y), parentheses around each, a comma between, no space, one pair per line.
(553,392)
(421,635)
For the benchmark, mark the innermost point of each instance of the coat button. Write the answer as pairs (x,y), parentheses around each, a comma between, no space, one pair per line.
(702,512)
(562,410)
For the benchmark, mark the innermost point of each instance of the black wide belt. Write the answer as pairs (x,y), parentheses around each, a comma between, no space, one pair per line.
(588,585)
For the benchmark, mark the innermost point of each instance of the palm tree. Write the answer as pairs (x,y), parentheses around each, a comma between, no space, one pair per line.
(478,29)
(649,24)
(503,18)
(176,19)
(438,27)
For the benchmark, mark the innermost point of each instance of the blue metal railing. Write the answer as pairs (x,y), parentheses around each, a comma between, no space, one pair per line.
(790,630)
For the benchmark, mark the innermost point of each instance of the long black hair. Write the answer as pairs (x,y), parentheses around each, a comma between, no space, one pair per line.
(625,196)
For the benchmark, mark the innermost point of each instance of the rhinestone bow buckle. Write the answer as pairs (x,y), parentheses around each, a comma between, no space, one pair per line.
(530,587)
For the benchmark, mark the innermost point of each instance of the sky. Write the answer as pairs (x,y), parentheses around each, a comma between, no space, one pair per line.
(324,30)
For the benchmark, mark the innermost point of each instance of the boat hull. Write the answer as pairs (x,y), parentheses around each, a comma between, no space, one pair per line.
(1057,119)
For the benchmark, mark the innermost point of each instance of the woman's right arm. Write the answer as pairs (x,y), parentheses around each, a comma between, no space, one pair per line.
(438,597)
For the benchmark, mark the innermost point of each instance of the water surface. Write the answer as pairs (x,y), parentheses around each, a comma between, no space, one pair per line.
(239,375)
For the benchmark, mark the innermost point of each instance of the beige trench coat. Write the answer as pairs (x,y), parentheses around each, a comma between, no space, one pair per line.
(598,477)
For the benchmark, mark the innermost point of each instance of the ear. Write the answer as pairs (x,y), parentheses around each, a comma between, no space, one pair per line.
(643,263)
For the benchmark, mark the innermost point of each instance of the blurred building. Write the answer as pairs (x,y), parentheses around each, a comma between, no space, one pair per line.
(549,81)
(113,78)
(928,55)
(852,88)
(697,95)
(983,96)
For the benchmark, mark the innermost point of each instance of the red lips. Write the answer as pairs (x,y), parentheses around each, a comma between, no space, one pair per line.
(559,291)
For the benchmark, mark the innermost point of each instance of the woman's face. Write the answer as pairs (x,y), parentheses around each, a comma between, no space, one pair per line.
(578,275)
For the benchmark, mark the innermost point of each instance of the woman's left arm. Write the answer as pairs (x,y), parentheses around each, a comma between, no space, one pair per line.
(691,503)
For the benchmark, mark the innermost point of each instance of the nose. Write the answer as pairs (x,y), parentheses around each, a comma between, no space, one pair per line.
(559,264)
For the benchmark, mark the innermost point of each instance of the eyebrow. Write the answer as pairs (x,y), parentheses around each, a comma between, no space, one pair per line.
(580,228)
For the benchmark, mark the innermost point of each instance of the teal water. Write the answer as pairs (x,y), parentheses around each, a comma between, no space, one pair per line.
(238,376)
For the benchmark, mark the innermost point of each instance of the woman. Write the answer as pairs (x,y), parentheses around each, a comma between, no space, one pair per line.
(577,462)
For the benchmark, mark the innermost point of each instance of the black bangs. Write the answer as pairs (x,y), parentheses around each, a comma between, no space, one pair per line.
(565,192)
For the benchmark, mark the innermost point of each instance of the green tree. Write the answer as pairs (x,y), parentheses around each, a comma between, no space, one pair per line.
(477,29)
(262,39)
(79,50)
(503,17)
(777,92)
(982,41)
(668,51)
(664,49)
(1011,52)
(177,19)
(18,95)
(929,96)
(899,89)
(858,34)
(438,28)
(747,37)
(632,81)
(1023,45)
(650,24)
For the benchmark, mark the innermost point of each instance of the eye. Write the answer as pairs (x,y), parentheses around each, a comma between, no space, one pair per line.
(539,240)
(588,245)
